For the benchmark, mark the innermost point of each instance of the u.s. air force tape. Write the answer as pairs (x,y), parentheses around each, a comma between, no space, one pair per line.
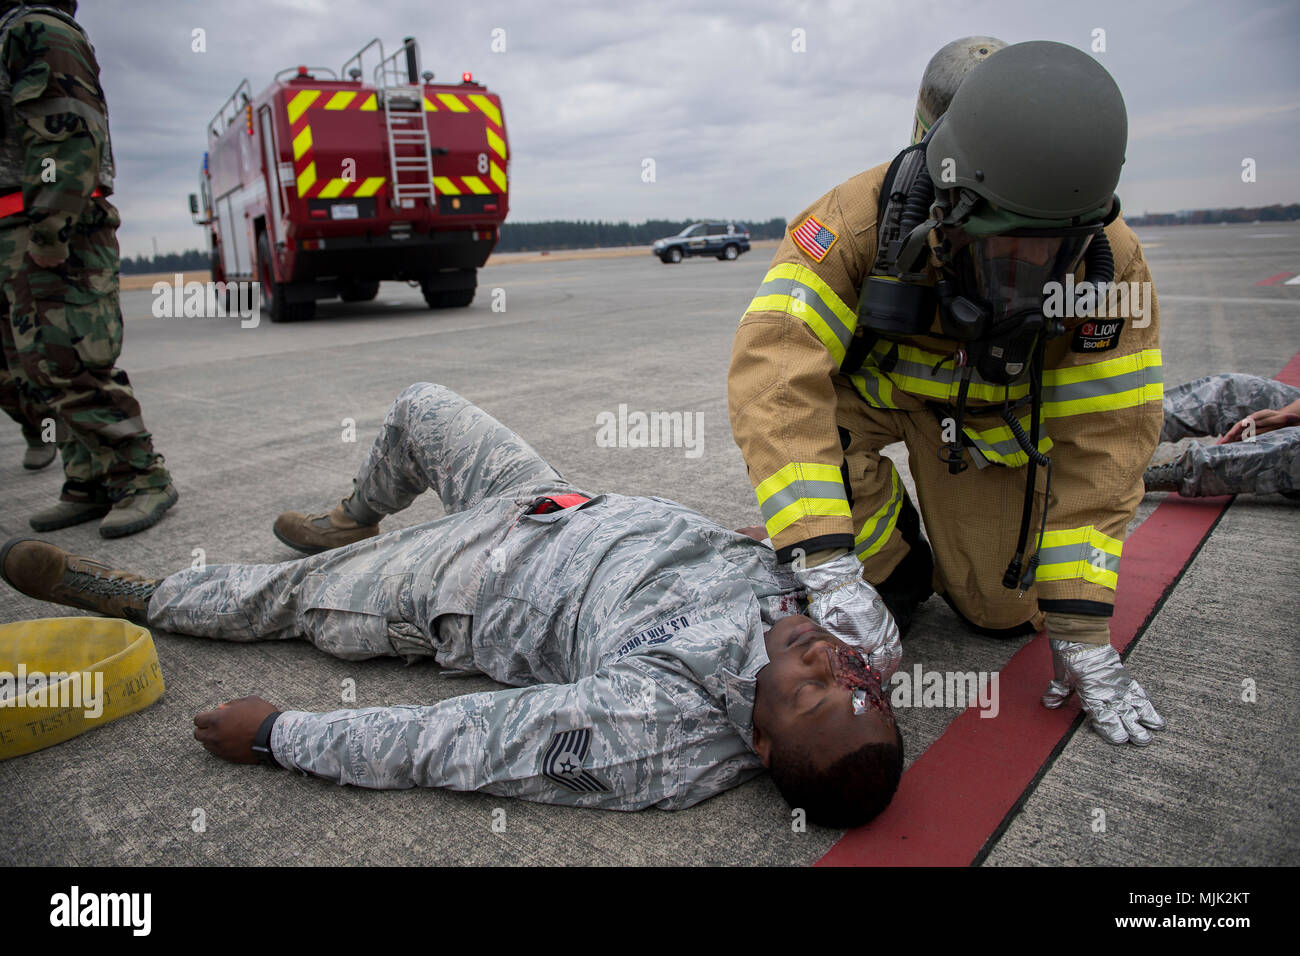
(62,676)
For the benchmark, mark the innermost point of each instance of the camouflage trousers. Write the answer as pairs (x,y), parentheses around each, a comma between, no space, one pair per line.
(60,342)
(1270,462)
(408,593)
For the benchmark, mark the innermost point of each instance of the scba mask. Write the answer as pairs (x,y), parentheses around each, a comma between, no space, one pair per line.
(995,282)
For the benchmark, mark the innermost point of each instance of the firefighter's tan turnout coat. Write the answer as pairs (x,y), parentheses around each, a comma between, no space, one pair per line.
(812,436)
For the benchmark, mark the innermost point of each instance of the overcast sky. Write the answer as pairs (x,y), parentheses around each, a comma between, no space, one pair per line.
(738,123)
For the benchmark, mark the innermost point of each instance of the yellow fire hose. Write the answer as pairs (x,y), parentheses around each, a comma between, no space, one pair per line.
(62,676)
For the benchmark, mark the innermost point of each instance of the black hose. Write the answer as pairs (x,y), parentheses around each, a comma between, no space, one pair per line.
(916,208)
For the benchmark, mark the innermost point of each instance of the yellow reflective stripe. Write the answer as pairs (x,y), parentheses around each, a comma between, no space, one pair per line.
(1133,379)
(879,528)
(487,106)
(369,186)
(799,292)
(796,471)
(302,142)
(807,508)
(446,186)
(298,105)
(498,176)
(798,309)
(1089,534)
(874,387)
(805,276)
(306,179)
(796,474)
(1066,555)
(475,184)
(369,104)
(497,143)
(332,188)
(998,444)
(340,100)
(429,107)
(453,103)
(1109,368)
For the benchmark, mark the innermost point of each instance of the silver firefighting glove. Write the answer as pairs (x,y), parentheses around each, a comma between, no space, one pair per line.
(851,609)
(1120,709)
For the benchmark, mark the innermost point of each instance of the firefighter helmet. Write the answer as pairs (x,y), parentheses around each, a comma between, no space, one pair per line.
(1039,131)
(943,74)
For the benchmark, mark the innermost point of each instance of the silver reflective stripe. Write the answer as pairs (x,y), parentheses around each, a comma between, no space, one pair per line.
(1097,387)
(884,521)
(809,298)
(792,492)
(1083,551)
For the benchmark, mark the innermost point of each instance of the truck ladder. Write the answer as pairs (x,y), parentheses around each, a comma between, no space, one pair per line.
(410,156)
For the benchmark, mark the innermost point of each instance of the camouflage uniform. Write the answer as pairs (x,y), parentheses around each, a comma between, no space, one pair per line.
(64,332)
(1270,462)
(631,628)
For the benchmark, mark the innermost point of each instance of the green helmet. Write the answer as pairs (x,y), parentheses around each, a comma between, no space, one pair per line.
(943,74)
(1038,131)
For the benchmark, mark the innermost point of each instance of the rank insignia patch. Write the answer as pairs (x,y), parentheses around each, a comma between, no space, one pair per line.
(814,238)
(562,762)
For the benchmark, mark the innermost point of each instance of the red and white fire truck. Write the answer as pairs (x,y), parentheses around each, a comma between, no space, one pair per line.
(323,185)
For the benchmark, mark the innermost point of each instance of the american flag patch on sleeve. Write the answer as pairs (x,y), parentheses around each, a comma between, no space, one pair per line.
(814,238)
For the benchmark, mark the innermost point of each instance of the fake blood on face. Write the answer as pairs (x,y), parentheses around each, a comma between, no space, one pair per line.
(853,672)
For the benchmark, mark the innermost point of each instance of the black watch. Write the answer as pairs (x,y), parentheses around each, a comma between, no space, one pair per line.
(262,741)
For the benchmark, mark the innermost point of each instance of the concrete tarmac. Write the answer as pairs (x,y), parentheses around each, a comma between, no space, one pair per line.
(254,421)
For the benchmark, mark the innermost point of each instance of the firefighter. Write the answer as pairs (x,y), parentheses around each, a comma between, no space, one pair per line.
(58,271)
(921,310)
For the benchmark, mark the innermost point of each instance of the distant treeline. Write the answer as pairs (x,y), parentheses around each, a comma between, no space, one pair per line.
(1274,213)
(565,234)
(189,261)
(515,237)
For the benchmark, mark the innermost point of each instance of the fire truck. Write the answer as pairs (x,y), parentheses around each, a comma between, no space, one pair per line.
(323,185)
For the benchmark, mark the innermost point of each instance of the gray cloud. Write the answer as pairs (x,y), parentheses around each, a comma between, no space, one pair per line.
(737,123)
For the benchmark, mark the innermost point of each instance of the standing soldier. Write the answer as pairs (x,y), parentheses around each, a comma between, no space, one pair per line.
(58,269)
(39,452)
(913,302)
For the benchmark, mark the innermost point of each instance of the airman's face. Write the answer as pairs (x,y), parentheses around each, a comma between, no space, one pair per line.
(807,693)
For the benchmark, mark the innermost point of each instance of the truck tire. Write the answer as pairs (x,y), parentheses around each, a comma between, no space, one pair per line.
(358,291)
(274,300)
(438,296)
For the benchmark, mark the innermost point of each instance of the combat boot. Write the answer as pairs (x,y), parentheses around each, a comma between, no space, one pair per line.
(79,502)
(312,534)
(48,573)
(39,454)
(137,511)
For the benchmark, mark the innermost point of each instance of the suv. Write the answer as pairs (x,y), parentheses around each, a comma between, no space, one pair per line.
(722,240)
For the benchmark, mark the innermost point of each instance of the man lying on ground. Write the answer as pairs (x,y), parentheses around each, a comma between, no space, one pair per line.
(655,657)
(1258,451)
